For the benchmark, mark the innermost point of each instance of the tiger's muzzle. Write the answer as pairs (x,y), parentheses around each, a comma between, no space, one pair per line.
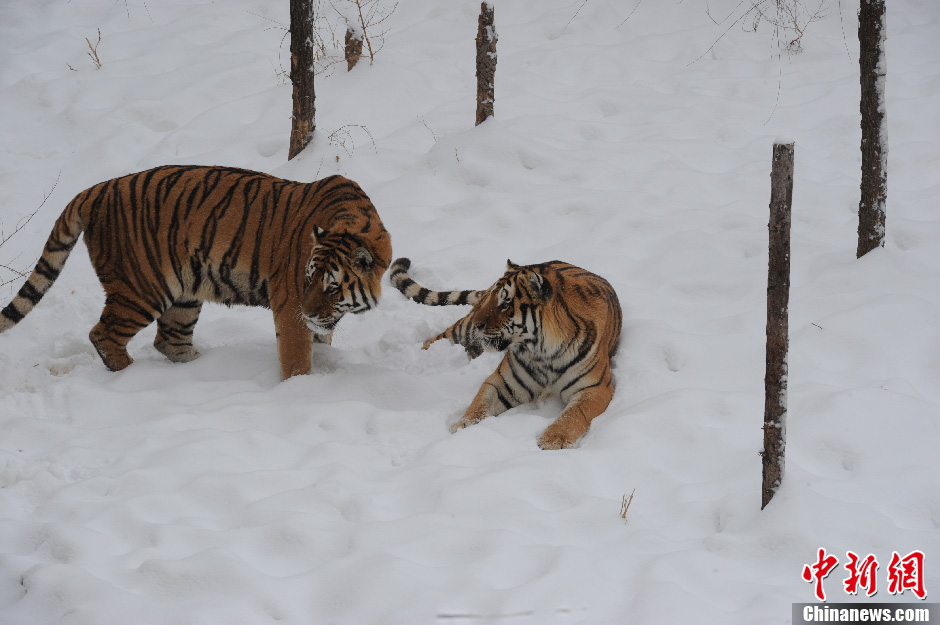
(318,326)
(495,340)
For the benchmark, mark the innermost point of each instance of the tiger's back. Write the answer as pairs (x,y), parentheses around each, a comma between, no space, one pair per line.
(217,233)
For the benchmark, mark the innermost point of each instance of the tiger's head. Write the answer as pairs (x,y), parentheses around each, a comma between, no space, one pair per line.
(342,276)
(511,310)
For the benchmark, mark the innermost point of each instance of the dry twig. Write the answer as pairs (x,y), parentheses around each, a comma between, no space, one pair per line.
(342,137)
(370,13)
(19,226)
(625,505)
(94,50)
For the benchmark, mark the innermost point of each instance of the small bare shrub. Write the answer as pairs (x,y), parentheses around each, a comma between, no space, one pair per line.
(339,41)
(625,504)
(93,50)
(343,137)
(788,18)
(17,228)
(370,15)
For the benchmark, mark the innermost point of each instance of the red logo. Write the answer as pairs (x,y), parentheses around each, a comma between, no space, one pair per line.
(864,574)
(820,571)
(904,573)
(907,573)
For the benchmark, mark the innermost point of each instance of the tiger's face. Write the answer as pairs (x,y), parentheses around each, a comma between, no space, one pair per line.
(510,311)
(341,277)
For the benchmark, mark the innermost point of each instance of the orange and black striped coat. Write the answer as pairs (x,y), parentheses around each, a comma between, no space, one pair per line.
(165,240)
(560,326)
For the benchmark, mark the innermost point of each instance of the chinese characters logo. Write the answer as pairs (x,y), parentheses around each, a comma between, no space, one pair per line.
(903,573)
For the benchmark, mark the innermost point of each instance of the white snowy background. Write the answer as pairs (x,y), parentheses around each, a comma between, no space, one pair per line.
(211,492)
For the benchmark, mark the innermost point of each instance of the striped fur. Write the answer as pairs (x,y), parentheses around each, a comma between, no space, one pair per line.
(398,276)
(165,240)
(460,333)
(561,325)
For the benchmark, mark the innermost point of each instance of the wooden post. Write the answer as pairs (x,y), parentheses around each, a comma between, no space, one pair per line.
(486,63)
(353,47)
(301,76)
(778,302)
(871,60)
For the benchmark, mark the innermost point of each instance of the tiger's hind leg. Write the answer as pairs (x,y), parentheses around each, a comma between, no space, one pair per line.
(175,331)
(121,320)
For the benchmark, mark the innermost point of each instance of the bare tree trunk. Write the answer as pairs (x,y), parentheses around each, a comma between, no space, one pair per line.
(353,47)
(486,63)
(871,207)
(301,75)
(778,303)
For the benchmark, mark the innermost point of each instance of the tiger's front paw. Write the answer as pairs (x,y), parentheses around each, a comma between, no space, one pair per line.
(558,438)
(464,422)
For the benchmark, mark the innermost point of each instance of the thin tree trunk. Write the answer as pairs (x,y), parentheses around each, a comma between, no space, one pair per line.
(486,63)
(778,303)
(301,75)
(353,47)
(871,207)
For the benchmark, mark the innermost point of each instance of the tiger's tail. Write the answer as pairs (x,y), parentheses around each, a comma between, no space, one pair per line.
(65,233)
(398,275)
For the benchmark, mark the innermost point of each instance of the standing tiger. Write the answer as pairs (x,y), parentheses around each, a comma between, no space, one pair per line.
(559,325)
(165,240)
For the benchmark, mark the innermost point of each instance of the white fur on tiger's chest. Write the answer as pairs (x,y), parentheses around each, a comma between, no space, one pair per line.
(553,376)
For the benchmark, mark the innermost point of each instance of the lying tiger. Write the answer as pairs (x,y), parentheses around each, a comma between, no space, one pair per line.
(165,240)
(559,325)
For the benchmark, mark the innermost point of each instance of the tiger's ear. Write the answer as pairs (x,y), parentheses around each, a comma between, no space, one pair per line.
(540,286)
(511,265)
(317,234)
(362,258)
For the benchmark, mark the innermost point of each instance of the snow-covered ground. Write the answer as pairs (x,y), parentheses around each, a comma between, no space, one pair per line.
(211,492)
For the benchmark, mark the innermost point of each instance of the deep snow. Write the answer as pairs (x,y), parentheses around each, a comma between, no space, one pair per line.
(211,492)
